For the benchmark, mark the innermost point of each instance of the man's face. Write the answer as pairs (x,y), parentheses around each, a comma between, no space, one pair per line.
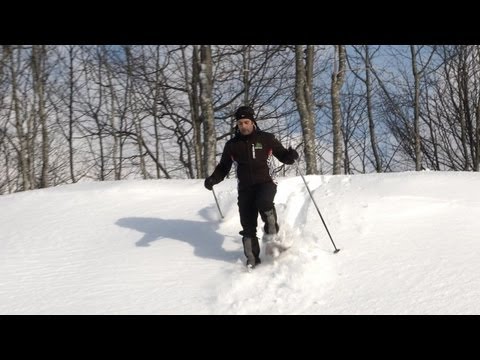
(245,126)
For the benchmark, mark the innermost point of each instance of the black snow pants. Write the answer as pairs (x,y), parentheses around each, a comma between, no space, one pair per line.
(253,200)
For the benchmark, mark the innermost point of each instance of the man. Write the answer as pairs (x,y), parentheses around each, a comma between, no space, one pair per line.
(251,151)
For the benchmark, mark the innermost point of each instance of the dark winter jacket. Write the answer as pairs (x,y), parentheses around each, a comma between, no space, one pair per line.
(252,156)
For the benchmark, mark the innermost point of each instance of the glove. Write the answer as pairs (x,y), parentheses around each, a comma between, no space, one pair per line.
(209,183)
(293,153)
(291,156)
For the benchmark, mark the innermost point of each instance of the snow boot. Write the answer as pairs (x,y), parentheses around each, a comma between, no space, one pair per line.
(269,217)
(251,249)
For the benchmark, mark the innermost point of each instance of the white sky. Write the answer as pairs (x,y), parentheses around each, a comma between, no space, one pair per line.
(409,245)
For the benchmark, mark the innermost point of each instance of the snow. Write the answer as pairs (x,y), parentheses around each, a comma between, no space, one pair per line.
(408,243)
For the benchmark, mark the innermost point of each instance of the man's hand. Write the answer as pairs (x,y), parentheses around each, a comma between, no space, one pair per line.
(291,156)
(293,153)
(209,183)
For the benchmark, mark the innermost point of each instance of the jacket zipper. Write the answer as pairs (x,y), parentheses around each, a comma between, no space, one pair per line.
(250,163)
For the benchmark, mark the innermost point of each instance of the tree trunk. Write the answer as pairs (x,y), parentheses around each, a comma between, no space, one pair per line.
(416,110)
(39,79)
(246,75)
(371,124)
(476,166)
(131,107)
(338,78)
(206,101)
(22,149)
(193,89)
(305,103)
(71,121)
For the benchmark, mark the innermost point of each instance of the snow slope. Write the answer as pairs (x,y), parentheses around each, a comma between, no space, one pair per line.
(409,245)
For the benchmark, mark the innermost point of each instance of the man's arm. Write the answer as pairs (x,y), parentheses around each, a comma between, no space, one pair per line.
(286,156)
(223,167)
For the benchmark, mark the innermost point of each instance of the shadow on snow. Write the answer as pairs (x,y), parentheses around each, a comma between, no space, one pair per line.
(200,235)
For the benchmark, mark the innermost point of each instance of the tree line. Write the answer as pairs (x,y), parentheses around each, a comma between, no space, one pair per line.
(72,113)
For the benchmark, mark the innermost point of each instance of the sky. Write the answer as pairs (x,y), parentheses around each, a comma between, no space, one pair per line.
(409,244)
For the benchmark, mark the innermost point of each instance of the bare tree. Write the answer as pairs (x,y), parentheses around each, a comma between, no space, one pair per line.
(131,104)
(70,106)
(193,90)
(450,109)
(153,109)
(395,106)
(338,77)
(304,60)
(246,54)
(364,52)
(477,116)
(39,55)
(416,109)
(13,57)
(206,104)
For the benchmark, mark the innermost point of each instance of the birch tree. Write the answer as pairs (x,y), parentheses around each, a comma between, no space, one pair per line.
(39,58)
(305,103)
(206,105)
(338,77)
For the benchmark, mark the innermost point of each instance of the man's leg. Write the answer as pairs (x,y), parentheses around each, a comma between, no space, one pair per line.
(264,200)
(248,219)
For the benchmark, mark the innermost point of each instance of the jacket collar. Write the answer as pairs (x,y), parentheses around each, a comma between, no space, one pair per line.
(247,137)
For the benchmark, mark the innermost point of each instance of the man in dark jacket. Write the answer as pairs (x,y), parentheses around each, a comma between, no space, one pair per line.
(251,151)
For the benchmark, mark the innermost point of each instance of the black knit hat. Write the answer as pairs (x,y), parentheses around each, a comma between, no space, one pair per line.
(245,112)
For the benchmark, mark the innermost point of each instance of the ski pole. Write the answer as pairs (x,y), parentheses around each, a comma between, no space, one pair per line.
(321,217)
(218,206)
